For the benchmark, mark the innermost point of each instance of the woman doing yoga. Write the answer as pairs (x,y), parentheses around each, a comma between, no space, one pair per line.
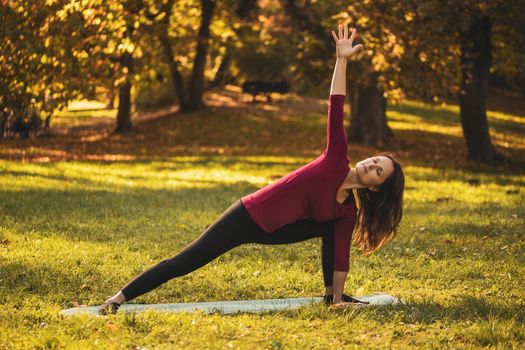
(315,200)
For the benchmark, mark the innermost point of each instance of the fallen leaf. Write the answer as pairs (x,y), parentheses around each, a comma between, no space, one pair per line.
(111,325)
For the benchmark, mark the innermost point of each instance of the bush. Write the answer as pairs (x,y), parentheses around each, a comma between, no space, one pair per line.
(20,118)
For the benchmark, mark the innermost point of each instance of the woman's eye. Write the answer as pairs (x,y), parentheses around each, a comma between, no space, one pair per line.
(375,160)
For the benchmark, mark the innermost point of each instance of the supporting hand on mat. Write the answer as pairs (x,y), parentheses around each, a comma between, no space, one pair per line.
(328,299)
(344,47)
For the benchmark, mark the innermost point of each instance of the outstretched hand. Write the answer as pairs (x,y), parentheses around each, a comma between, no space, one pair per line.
(344,47)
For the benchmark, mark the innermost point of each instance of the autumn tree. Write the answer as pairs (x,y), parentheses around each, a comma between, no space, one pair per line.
(174,28)
(373,71)
(455,43)
(38,71)
(112,33)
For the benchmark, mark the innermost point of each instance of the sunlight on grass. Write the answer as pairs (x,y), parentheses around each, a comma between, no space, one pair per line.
(86,110)
(84,105)
(75,232)
(506,117)
(506,130)
(421,125)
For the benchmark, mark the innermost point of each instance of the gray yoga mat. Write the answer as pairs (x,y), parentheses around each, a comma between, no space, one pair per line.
(233,306)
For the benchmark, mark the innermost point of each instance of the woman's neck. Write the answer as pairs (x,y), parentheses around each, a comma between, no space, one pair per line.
(351,181)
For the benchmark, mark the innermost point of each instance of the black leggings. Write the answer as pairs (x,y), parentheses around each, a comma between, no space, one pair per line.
(233,228)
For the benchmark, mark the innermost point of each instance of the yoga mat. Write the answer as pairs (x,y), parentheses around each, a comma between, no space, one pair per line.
(233,306)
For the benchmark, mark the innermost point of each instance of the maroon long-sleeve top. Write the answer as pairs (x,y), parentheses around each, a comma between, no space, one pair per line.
(310,191)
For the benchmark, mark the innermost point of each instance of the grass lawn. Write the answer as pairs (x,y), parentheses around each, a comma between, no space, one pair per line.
(83,213)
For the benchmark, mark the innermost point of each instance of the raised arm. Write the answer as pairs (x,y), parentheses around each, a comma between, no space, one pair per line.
(344,50)
(336,145)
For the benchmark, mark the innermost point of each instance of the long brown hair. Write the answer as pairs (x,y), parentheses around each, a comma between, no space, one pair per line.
(380,212)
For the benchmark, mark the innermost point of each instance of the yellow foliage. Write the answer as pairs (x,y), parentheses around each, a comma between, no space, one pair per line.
(379,62)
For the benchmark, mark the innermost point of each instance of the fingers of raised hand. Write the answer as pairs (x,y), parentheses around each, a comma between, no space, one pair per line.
(353,35)
(343,33)
(357,48)
(335,36)
(343,38)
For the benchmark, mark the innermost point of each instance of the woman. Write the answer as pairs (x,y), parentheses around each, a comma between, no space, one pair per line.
(312,201)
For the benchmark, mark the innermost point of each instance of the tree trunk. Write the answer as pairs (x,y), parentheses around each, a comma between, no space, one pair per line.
(124,100)
(47,123)
(176,76)
(368,124)
(110,98)
(476,60)
(197,77)
(3,128)
(220,75)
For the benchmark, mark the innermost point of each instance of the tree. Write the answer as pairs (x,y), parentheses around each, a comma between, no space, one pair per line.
(372,71)
(239,15)
(476,59)
(457,49)
(35,73)
(189,99)
(476,41)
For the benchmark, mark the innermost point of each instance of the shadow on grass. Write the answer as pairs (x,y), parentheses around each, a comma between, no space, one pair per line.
(102,215)
(22,278)
(463,308)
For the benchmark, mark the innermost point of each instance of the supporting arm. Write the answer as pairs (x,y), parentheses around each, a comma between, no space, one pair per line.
(339,285)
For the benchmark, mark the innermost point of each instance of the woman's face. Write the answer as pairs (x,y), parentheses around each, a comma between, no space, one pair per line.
(375,170)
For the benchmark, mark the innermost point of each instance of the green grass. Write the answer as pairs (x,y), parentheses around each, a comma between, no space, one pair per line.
(75,232)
